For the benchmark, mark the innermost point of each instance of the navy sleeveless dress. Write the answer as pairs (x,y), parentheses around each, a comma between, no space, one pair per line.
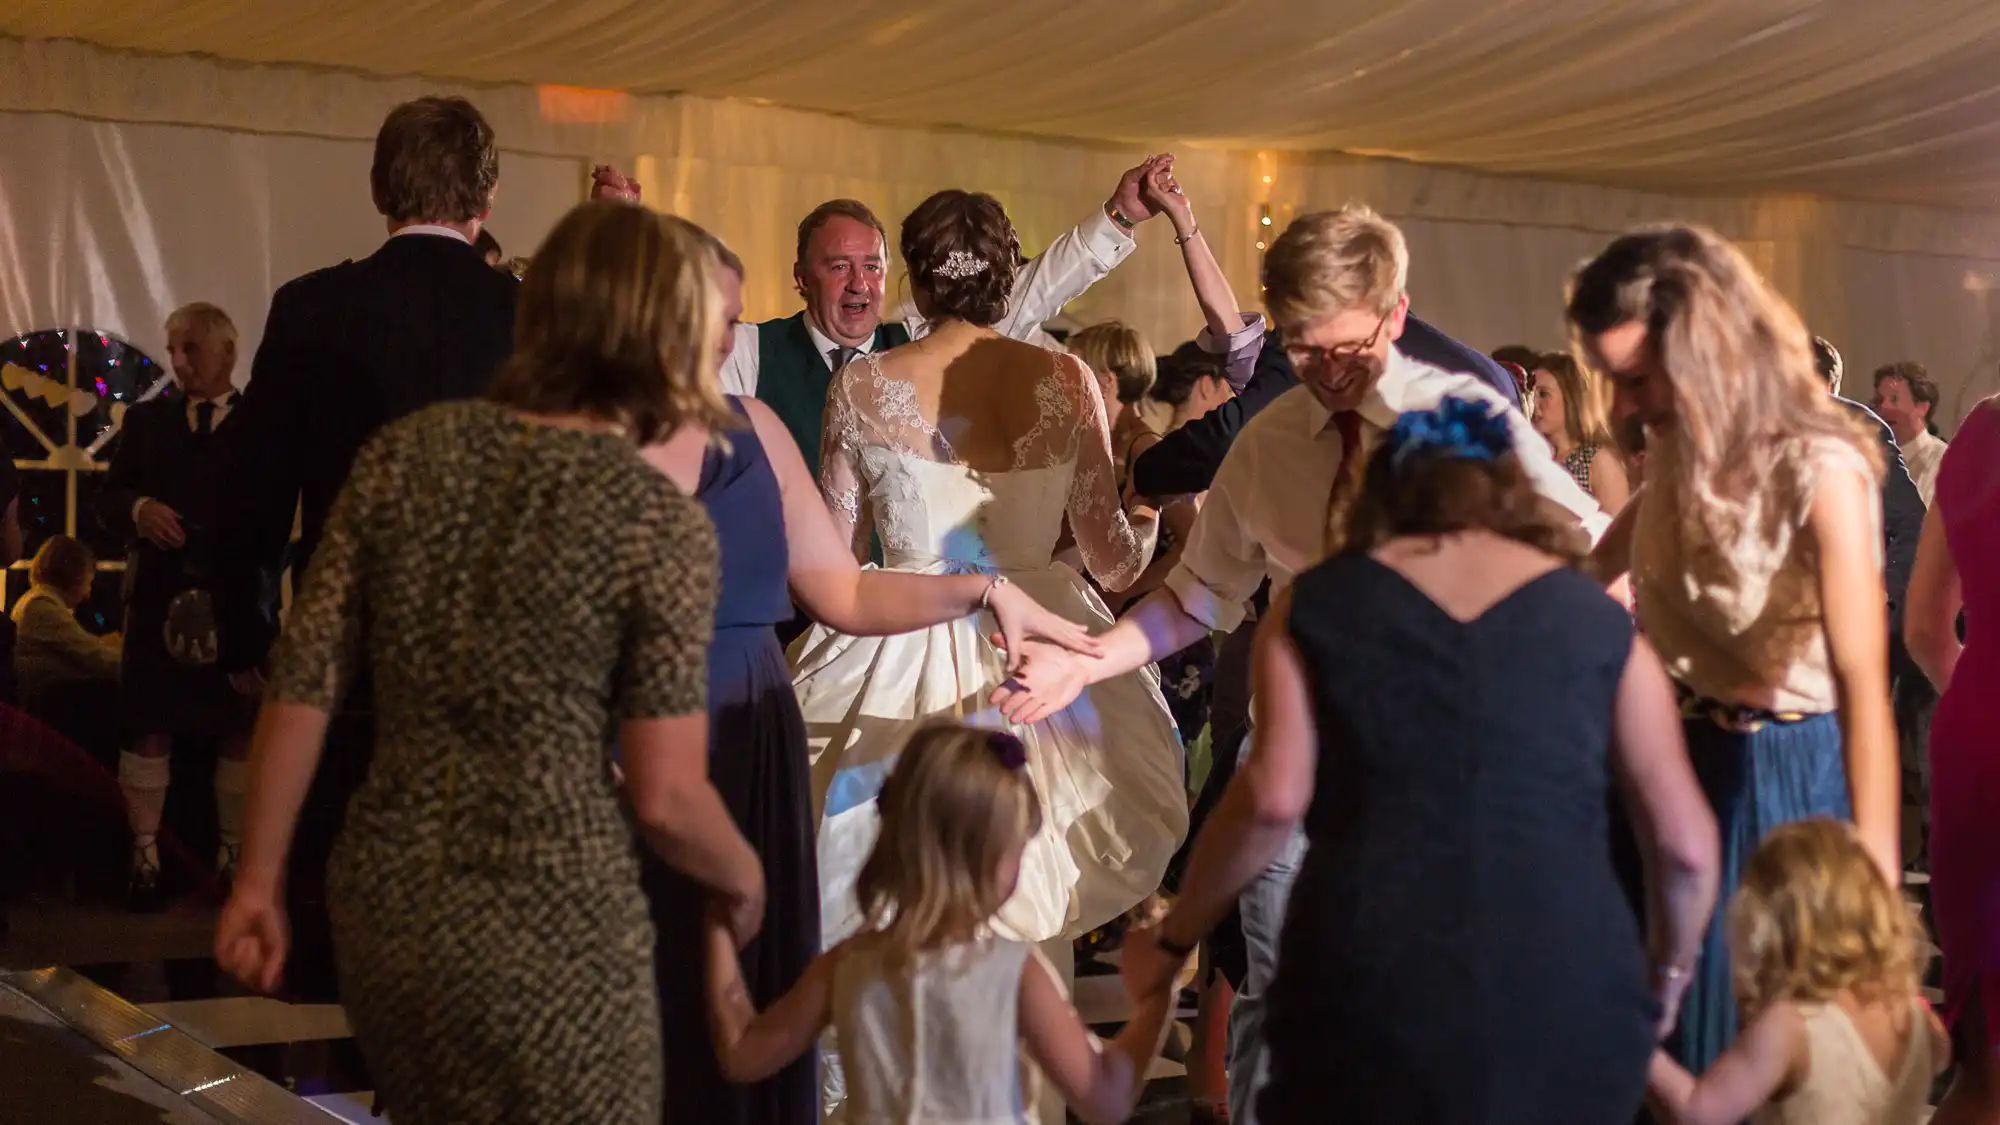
(757,760)
(1457,949)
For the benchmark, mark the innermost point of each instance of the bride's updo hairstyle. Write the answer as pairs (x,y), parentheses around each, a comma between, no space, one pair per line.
(962,254)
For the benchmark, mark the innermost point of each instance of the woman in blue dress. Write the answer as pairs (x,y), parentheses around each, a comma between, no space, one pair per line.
(778,542)
(1755,554)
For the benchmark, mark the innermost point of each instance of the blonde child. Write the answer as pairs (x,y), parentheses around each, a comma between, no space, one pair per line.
(1835,1032)
(932,1013)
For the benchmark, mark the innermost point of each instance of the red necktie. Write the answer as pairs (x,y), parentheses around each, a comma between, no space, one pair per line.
(1339,498)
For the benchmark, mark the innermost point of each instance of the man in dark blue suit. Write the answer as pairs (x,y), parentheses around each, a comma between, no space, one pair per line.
(1911,691)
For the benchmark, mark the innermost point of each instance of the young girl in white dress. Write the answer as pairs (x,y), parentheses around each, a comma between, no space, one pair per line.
(933,1011)
(1835,1031)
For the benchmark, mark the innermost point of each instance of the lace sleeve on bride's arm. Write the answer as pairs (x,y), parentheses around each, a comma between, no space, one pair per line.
(840,470)
(1114,549)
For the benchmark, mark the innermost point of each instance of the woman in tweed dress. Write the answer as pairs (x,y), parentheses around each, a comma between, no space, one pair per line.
(496,567)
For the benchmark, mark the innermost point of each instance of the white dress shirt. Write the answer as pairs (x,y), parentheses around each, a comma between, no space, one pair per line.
(427,228)
(1265,515)
(1923,454)
(1075,261)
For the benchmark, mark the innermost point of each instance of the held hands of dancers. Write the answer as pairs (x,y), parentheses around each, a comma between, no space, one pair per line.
(1149,964)
(1022,620)
(1042,679)
(1164,195)
(1128,205)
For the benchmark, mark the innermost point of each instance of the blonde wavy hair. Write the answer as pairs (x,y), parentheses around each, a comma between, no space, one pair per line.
(1119,350)
(1746,393)
(1813,916)
(1586,414)
(620,318)
(1330,261)
(952,812)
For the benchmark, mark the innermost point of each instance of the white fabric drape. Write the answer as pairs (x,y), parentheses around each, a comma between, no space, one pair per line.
(135,183)
(1851,97)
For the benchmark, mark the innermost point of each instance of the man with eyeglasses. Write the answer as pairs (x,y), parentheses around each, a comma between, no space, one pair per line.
(1334,282)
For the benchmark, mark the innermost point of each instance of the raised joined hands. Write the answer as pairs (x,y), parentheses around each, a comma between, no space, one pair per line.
(1164,195)
(1130,196)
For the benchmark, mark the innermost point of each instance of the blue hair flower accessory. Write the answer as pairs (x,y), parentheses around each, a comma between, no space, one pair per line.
(1461,429)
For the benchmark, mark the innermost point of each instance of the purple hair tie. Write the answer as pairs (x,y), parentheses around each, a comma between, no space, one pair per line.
(1007,750)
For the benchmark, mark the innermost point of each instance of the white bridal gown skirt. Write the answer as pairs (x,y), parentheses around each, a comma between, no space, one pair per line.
(1108,768)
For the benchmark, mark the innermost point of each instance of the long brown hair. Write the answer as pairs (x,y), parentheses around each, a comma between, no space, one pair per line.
(952,809)
(620,318)
(1746,393)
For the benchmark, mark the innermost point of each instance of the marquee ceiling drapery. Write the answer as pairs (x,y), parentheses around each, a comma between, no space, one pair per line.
(1855,98)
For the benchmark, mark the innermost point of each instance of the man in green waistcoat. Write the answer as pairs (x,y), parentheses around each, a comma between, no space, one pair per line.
(843,261)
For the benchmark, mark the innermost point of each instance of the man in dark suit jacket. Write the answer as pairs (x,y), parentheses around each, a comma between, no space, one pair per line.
(1911,691)
(346,349)
(1186,460)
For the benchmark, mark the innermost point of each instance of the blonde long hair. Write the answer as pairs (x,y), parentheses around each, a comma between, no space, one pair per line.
(1746,393)
(1586,415)
(1813,917)
(953,809)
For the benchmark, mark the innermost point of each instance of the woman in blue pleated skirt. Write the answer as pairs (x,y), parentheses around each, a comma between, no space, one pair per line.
(1755,556)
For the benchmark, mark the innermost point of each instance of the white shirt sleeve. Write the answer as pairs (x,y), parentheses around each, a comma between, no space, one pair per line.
(739,371)
(1548,476)
(1074,262)
(1545,473)
(1223,563)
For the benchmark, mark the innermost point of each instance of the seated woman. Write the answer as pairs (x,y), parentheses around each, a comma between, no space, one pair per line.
(1446,706)
(56,659)
(1569,410)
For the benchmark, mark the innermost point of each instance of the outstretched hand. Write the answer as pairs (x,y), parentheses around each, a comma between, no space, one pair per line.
(1043,679)
(1022,619)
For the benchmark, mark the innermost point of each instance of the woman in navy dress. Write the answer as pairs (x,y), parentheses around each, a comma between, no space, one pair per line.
(778,542)
(1446,706)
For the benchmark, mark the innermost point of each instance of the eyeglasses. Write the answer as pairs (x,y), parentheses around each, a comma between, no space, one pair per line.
(1307,357)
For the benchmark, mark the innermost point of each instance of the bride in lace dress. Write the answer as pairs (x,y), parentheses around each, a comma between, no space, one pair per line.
(963,451)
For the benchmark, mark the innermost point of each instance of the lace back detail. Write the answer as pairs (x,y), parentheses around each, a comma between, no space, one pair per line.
(873,420)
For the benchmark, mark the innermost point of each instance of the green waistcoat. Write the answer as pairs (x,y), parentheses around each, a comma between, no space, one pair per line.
(792,377)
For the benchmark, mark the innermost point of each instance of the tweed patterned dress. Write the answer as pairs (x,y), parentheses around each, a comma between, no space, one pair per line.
(515,590)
